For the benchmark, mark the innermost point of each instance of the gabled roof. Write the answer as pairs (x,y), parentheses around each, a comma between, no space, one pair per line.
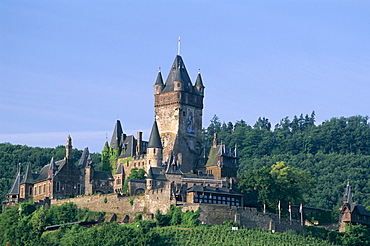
(130,146)
(28,176)
(85,158)
(179,73)
(155,139)
(44,171)
(229,158)
(116,141)
(156,173)
(102,175)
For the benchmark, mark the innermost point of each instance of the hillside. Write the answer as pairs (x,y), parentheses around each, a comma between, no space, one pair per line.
(27,226)
(334,152)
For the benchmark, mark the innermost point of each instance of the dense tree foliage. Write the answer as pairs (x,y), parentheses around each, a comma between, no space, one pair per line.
(277,183)
(11,155)
(25,225)
(136,173)
(334,152)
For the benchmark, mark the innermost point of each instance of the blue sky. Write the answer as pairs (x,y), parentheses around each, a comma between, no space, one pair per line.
(75,67)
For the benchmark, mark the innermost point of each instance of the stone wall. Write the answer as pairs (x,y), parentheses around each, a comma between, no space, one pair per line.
(147,203)
(247,217)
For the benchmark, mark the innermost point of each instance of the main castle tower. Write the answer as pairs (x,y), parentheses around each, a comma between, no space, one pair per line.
(178,112)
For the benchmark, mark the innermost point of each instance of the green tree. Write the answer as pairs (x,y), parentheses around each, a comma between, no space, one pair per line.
(105,158)
(134,174)
(277,183)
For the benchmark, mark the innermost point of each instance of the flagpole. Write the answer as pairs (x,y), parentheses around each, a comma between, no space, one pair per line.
(301,211)
(178,46)
(279,212)
(290,212)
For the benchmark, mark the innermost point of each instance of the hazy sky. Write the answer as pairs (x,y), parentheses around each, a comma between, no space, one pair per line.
(75,67)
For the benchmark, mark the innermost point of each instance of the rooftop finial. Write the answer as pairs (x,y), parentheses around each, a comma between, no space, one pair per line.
(178,46)
(159,69)
(198,70)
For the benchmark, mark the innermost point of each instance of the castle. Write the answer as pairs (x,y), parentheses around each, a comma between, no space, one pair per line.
(179,169)
(173,158)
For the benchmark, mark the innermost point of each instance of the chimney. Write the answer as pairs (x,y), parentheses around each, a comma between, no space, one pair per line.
(138,145)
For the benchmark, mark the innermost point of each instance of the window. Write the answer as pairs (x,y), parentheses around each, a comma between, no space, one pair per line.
(44,189)
(153,151)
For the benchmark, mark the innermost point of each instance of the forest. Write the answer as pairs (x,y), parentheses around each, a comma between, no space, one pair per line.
(27,224)
(333,153)
(330,154)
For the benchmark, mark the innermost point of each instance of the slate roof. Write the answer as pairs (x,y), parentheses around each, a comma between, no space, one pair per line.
(116,141)
(156,173)
(178,72)
(362,210)
(199,81)
(154,139)
(102,175)
(28,176)
(159,80)
(14,190)
(220,150)
(130,146)
(85,159)
(44,171)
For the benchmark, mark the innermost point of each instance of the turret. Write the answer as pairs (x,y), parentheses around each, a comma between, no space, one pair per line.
(154,149)
(158,86)
(199,85)
(27,183)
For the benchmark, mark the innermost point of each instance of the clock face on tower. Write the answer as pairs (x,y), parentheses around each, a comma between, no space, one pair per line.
(190,124)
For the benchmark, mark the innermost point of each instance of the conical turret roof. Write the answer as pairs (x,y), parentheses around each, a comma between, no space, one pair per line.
(199,81)
(28,177)
(155,139)
(14,190)
(179,73)
(116,136)
(159,80)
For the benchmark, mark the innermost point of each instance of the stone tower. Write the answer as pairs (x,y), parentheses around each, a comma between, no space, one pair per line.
(178,113)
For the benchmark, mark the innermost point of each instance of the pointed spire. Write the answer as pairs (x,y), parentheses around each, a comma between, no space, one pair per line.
(199,81)
(155,139)
(178,73)
(117,136)
(159,80)
(14,190)
(28,177)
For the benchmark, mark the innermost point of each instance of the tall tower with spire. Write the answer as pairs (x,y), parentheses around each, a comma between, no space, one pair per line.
(178,112)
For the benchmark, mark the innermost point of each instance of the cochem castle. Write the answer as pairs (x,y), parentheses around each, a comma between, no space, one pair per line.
(178,169)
